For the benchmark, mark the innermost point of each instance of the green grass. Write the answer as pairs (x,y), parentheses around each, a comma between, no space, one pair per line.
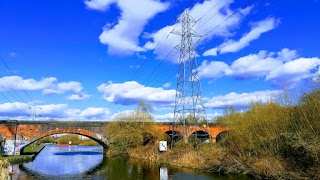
(33,148)
(13,159)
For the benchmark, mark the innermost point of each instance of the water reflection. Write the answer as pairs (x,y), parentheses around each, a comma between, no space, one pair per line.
(64,160)
(88,163)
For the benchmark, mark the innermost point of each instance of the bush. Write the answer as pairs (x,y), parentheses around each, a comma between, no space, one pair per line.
(268,130)
(131,130)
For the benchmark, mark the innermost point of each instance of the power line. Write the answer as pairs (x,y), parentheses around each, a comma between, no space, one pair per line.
(207,12)
(10,71)
(3,97)
(214,14)
(158,45)
(158,65)
(231,15)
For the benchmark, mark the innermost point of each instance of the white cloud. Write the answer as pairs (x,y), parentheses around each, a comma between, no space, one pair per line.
(254,65)
(166,85)
(293,71)
(164,117)
(123,38)
(212,70)
(46,85)
(100,5)
(22,111)
(130,92)
(287,55)
(72,86)
(280,69)
(78,97)
(257,29)
(220,13)
(95,113)
(53,110)
(241,100)
(14,109)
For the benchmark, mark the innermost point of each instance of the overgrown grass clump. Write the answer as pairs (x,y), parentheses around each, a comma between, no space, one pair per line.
(275,140)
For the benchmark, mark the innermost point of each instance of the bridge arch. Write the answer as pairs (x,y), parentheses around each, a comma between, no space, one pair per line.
(175,136)
(221,135)
(200,135)
(101,140)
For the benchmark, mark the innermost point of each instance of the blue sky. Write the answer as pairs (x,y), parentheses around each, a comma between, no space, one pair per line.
(93,59)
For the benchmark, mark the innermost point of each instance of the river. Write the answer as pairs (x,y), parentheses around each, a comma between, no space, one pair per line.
(81,162)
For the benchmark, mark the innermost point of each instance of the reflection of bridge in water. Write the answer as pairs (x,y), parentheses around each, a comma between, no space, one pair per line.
(19,134)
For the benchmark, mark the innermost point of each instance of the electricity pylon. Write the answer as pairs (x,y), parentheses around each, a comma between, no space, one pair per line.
(189,108)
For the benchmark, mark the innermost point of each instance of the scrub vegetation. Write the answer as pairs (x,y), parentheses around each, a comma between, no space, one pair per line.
(76,140)
(4,171)
(270,140)
(132,130)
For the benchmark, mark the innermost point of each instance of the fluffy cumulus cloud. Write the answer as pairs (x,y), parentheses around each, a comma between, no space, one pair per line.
(24,111)
(257,29)
(283,68)
(213,69)
(15,109)
(95,113)
(293,71)
(213,19)
(130,92)
(241,100)
(123,37)
(78,97)
(48,85)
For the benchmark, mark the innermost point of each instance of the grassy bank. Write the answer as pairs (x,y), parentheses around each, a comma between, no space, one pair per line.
(16,159)
(270,140)
(33,148)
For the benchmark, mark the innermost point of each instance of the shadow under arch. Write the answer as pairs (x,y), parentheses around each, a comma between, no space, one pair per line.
(200,135)
(175,136)
(221,135)
(82,132)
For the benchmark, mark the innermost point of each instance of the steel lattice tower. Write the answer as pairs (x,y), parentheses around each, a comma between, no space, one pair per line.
(189,108)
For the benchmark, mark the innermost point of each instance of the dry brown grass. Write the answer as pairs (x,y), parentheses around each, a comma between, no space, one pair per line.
(4,172)
(284,140)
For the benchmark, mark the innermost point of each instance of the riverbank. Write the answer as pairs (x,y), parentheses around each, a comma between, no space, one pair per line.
(17,159)
(29,154)
(215,159)
(34,149)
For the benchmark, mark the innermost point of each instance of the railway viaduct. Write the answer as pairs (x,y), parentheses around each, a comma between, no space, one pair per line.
(16,135)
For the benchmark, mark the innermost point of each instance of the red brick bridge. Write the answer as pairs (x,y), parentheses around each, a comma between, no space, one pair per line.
(19,134)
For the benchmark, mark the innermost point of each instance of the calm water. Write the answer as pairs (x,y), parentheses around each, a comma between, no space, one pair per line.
(82,162)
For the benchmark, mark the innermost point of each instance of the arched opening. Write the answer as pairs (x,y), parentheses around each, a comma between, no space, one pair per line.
(147,138)
(174,136)
(199,136)
(99,141)
(221,135)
